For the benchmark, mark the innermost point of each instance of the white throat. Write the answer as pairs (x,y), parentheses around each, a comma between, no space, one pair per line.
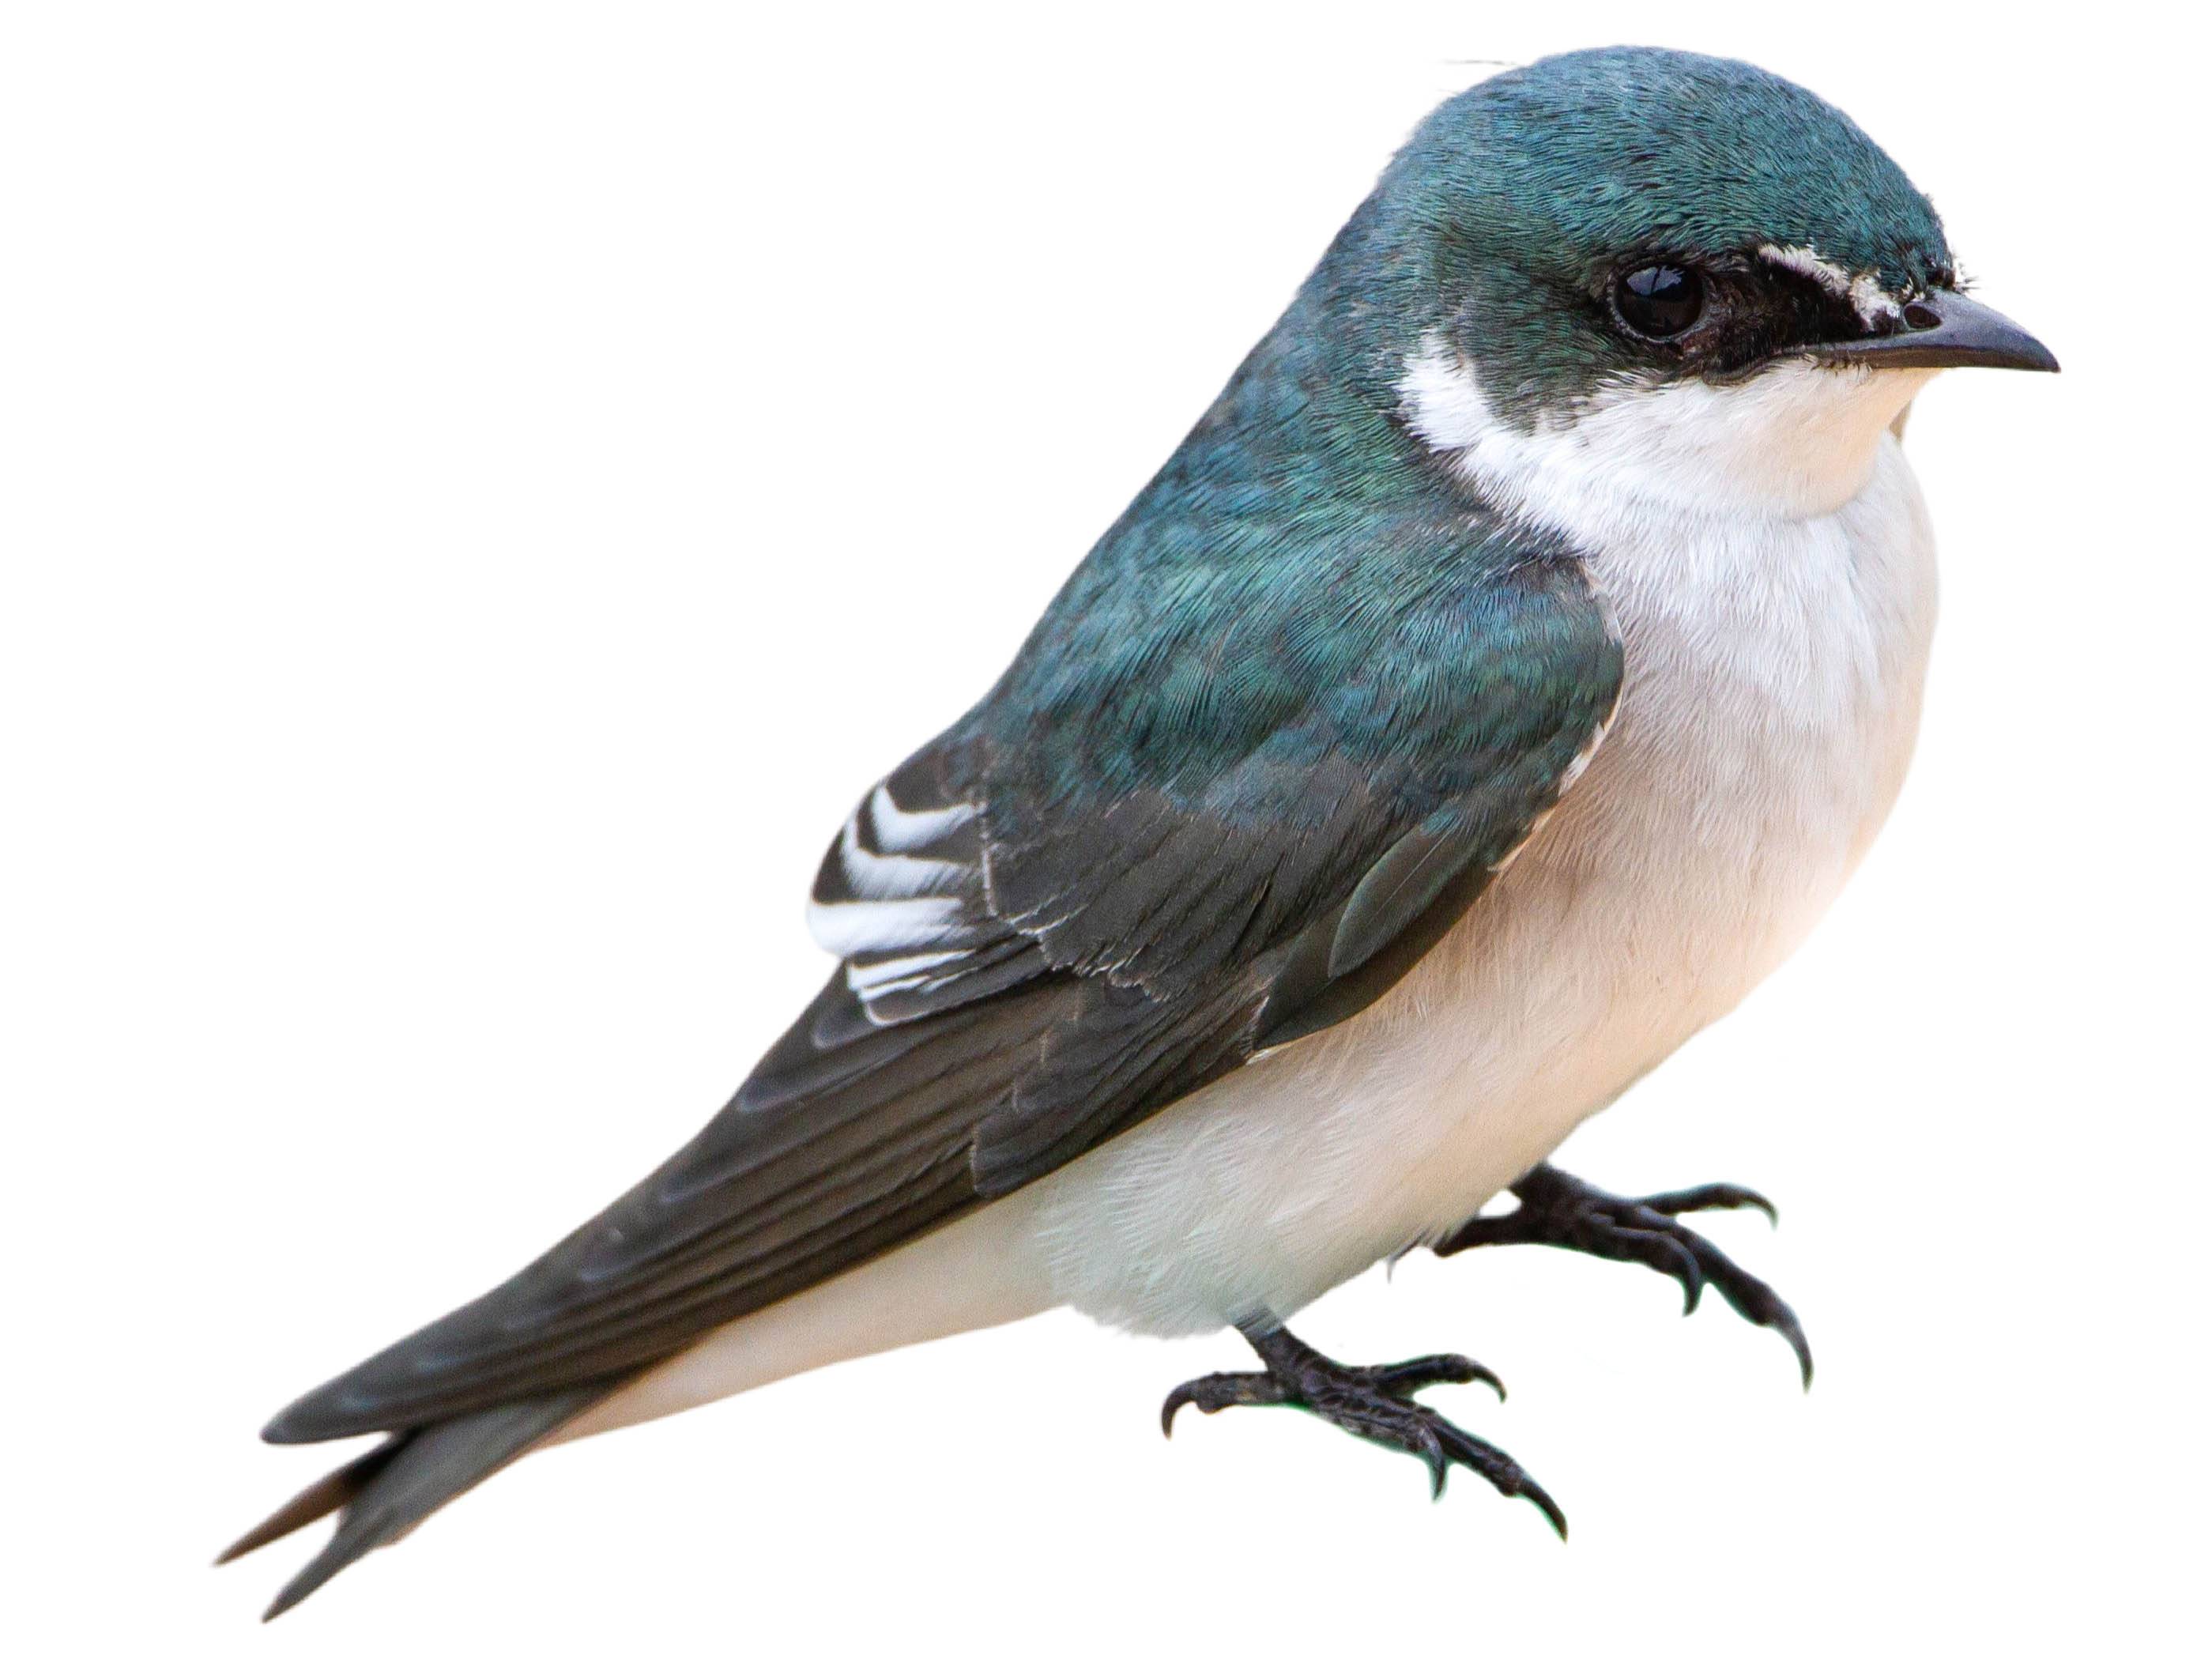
(1797,440)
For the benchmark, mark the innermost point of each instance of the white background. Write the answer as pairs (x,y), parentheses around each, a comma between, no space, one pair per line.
(485,488)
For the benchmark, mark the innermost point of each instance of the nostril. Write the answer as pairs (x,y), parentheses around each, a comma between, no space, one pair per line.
(1917,315)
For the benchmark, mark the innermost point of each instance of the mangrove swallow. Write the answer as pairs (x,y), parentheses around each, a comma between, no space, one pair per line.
(1497,684)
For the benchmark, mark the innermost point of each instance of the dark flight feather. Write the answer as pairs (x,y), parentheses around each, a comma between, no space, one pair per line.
(1270,742)
(1262,750)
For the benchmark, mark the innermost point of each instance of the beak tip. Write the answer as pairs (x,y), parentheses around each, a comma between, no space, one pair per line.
(1946,330)
(2020,349)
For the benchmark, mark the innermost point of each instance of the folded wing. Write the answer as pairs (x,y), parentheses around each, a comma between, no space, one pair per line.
(1121,876)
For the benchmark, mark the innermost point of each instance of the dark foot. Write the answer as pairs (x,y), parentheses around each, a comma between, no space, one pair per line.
(1375,1402)
(1558,1210)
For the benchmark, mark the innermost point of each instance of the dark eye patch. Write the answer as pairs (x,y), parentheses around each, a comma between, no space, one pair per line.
(1721,319)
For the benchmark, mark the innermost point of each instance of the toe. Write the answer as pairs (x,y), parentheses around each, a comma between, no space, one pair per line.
(1713,1195)
(1647,1237)
(1405,1378)
(1754,1298)
(1500,1470)
(1218,1392)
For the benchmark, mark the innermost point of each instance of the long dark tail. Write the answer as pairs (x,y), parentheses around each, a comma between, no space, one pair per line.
(384,1492)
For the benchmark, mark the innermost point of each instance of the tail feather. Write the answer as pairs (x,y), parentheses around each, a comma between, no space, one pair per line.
(386,1492)
(333,1492)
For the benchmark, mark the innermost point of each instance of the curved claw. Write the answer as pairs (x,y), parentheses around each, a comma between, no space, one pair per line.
(1178,1397)
(1553,1513)
(1658,1249)
(1754,1298)
(1713,1195)
(1501,1471)
(1693,1275)
(1794,1333)
(1372,1402)
(1432,1454)
(1408,1377)
(1218,1391)
(1567,1213)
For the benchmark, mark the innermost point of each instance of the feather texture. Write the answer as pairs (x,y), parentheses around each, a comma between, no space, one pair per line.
(1093,895)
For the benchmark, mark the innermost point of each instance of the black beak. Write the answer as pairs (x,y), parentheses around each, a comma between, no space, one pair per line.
(1946,331)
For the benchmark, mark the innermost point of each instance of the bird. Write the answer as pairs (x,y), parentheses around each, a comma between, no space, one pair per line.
(1495,685)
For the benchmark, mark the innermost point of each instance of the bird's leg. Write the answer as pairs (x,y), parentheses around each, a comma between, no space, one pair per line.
(1558,1210)
(1375,1402)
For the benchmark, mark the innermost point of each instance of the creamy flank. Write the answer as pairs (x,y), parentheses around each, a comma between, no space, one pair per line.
(1767,559)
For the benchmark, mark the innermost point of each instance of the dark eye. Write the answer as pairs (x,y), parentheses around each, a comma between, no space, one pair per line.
(1660,301)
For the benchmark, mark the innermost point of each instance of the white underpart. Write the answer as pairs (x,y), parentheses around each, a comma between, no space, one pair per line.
(983,1271)
(1862,289)
(1766,555)
(1787,443)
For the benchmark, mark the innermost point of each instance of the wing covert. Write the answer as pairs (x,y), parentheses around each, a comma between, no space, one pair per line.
(1119,877)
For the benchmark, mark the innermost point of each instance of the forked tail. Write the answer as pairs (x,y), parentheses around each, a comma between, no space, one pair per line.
(383,1494)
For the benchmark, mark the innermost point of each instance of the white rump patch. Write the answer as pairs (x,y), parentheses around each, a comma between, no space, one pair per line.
(898,830)
(906,908)
(873,979)
(893,875)
(875,926)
